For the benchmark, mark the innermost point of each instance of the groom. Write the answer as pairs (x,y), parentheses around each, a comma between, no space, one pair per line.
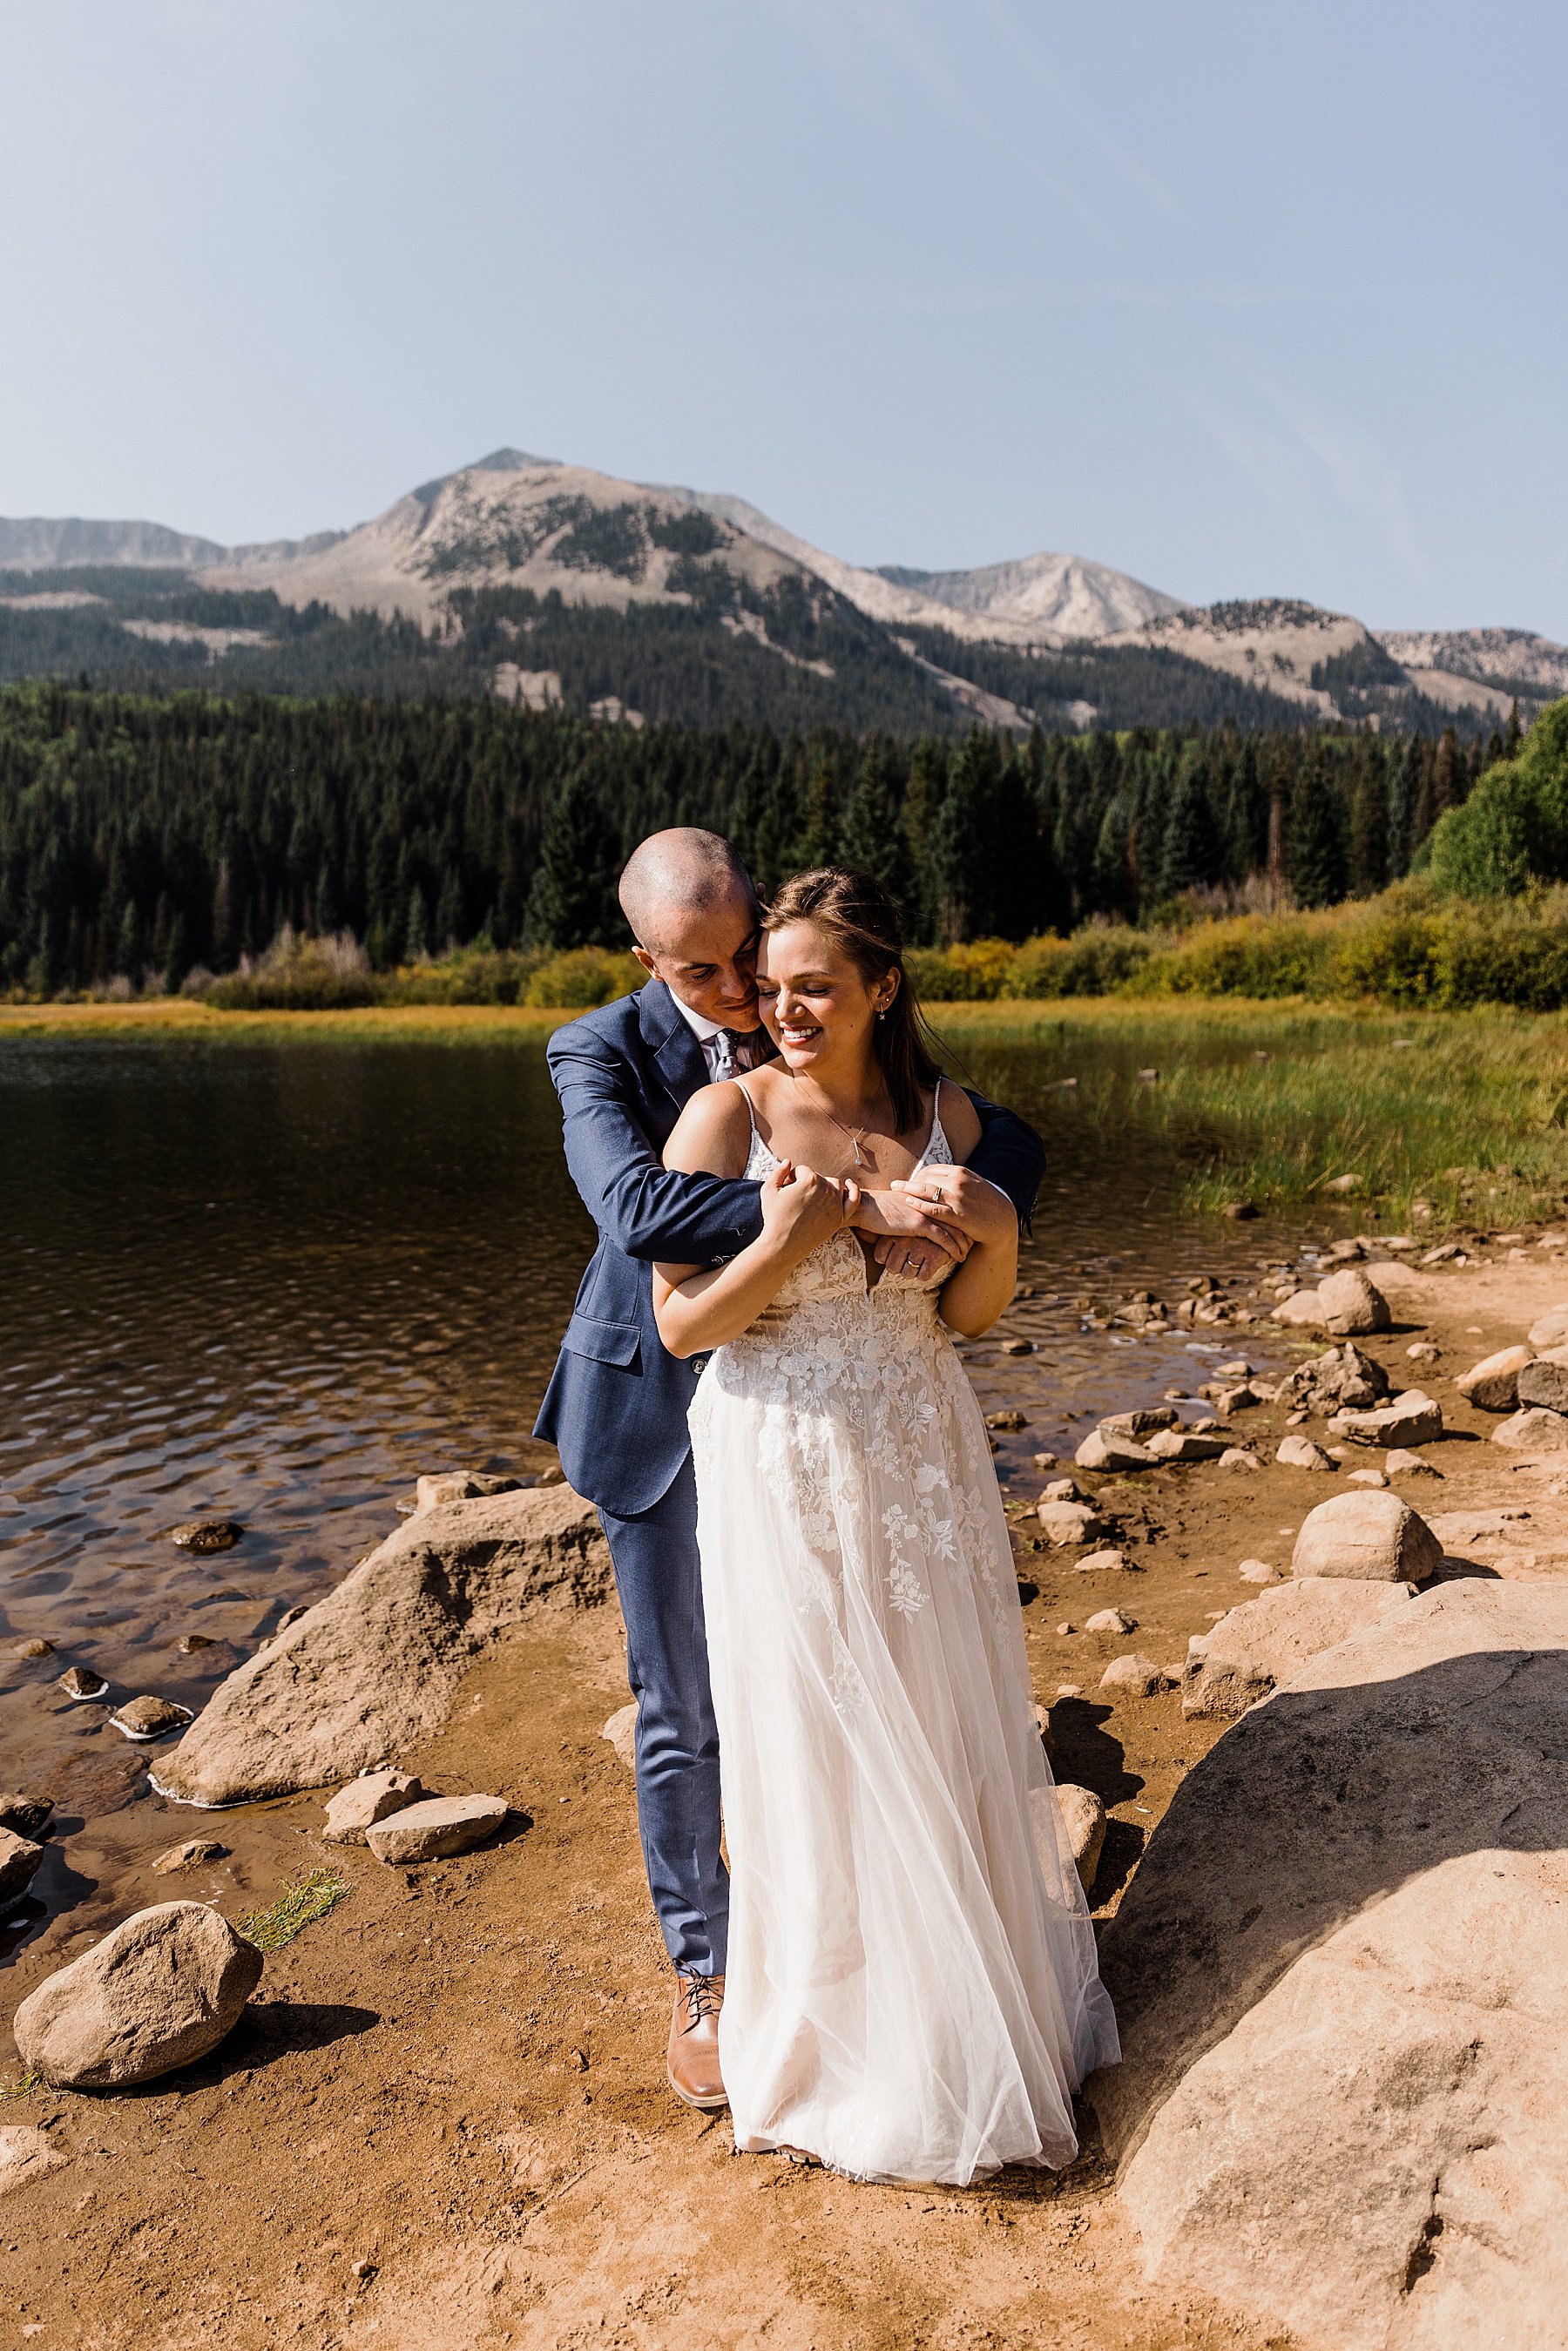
(616,1405)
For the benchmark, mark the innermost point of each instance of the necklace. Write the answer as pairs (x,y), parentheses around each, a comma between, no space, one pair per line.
(854,1139)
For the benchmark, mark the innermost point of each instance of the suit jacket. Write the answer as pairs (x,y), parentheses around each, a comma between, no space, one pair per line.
(617,1402)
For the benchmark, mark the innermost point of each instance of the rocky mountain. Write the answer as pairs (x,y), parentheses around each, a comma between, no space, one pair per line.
(557,584)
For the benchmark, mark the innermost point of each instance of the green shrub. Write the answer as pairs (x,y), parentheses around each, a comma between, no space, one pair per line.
(1512,831)
(579,977)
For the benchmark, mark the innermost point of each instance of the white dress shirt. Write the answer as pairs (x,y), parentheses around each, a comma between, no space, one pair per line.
(707,1033)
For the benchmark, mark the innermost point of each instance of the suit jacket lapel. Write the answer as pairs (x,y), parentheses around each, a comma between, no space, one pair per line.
(676,1049)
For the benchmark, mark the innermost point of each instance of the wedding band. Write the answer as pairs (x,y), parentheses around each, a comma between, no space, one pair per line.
(938,1194)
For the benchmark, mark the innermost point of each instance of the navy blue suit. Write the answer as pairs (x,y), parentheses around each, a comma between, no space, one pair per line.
(617,1402)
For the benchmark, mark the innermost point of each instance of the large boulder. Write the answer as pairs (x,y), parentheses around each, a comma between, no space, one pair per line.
(1339,1974)
(1413,1419)
(1543,1384)
(1370,1536)
(160,1990)
(375,1665)
(1266,1640)
(1492,1384)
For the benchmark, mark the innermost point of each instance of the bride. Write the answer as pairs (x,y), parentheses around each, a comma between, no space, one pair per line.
(912,1992)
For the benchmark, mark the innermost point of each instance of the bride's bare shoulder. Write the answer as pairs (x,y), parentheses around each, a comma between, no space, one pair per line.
(960,1120)
(713,1135)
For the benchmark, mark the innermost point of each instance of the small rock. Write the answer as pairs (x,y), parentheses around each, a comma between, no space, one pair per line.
(1185,1445)
(1301,1310)
(1413,1419)
(159,1991)
(1534,1430)
(1367,1478)
(1352,1305)
(1070,1522)
(1239,1370)
(1240,1212)
(1545,1383)
(1342,1184)
(1258,1571)
(1133,1676)
(1142,1423)
(1103,1563)
(1044,1460)
(1424,1351)
(194,1854)
(1104,1449)
(1492,1384)
(1064,1632)
(363,2271)
(26,1816)
(432,1830)
(1064,1490)
(204,1536)
(1069,1689)
(189,1644)
(1008,1422)
(373,1797)
(25,2154)
(1111,1620)
(79,1683)
(1041,1721)
(435,1488)
(145,1718)
(19,1857)
(1551,1330)
(1236,1399)
(621,1732)
(21,1652)
(1237,1456)
(1375,1538)
(1017,1346)
(1081,1829)
(1402,1464)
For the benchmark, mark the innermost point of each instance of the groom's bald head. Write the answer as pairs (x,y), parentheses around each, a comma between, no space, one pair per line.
(693,912)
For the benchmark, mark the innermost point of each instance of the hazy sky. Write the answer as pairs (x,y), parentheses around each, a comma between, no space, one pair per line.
(1242,298)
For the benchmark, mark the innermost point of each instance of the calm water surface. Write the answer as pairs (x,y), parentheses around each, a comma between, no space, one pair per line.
(274,1284)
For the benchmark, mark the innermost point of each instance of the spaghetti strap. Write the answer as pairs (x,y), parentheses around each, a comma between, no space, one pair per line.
(750,1107)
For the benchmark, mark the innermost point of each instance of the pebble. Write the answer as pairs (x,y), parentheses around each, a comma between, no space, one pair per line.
(1111,1620)
(1064,1630)
(78,1682)
(1064,1490)
(1017,1346)
(204,1536)
(1069,1522)
(1045,1460)
(1425,1350)
(1238,1456)
(1103,1563)
(1367,1478)
(1069,1689)
(1006,1421)
(194,1854)
(1134,1675)
(1399,1463)
(145,1718)
(1258,1571)
(189,1642)
(36,1647)
(621,1731)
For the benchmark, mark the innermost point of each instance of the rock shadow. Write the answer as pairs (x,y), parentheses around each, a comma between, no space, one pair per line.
(1317,1803)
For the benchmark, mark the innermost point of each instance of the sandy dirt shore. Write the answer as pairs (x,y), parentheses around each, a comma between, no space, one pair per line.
(443,2121)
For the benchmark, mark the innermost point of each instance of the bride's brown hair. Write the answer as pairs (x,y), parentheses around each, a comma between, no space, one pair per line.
(856,911)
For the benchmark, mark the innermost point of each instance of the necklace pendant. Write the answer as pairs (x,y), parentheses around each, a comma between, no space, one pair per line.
(857,1149)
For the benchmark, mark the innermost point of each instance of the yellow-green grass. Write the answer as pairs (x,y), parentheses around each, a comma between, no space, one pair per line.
(306,1900)
(1261,1100)
(22,2087)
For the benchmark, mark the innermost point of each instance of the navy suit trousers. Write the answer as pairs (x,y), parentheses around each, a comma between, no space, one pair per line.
(659,1579)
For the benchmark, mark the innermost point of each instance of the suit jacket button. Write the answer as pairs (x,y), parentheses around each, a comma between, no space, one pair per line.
(700,1362)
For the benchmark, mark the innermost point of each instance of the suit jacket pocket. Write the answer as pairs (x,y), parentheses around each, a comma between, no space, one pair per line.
(606,1342)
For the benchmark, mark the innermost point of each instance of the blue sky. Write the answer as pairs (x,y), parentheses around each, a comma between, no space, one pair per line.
(1241,299)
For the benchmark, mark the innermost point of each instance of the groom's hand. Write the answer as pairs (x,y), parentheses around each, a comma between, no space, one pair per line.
(961,1201)
(909,1240)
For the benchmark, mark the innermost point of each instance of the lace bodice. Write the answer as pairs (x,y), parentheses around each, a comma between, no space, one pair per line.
(840,1268)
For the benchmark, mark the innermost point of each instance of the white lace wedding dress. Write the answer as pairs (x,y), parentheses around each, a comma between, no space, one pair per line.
(912,1992)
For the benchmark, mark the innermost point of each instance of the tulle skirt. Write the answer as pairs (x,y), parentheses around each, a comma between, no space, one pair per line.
(912,1990)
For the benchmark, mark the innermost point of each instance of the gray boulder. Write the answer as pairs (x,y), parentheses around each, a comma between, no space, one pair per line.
(376,1665)
(1533,1430)
(1370,1536)
(19,1857)
(373,1797)
(1413,1419)
(1544,1381)
(1343,2107)
(160,1990)
(1343,1378)
(1102,1448)
(1080,1830)
(1492,1384)
(434,1830)
(1266,1640)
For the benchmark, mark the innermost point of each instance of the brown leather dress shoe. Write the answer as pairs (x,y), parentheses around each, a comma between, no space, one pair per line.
(693,2056)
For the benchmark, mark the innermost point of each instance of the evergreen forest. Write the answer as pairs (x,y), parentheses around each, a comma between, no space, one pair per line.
(145,837)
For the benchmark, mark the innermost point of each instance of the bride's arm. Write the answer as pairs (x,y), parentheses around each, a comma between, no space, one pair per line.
(977,1292)
(698,1307)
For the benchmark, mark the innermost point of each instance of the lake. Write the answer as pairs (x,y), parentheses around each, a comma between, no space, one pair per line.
(273,1282)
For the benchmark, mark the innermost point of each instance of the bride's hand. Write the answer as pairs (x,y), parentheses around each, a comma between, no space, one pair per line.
(964,1201)
(802,1209)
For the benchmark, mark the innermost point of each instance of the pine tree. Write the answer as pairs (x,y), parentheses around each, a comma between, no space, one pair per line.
(1192,856)
(821,841)
(1314,849)
(1403,792)
(572,901)
(1368,829)
(1448,774)
(872,838)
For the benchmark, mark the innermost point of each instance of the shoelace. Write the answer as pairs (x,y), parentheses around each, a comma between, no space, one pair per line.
(701,1998)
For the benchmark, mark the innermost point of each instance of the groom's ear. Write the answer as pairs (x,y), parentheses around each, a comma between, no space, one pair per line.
(647,960)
